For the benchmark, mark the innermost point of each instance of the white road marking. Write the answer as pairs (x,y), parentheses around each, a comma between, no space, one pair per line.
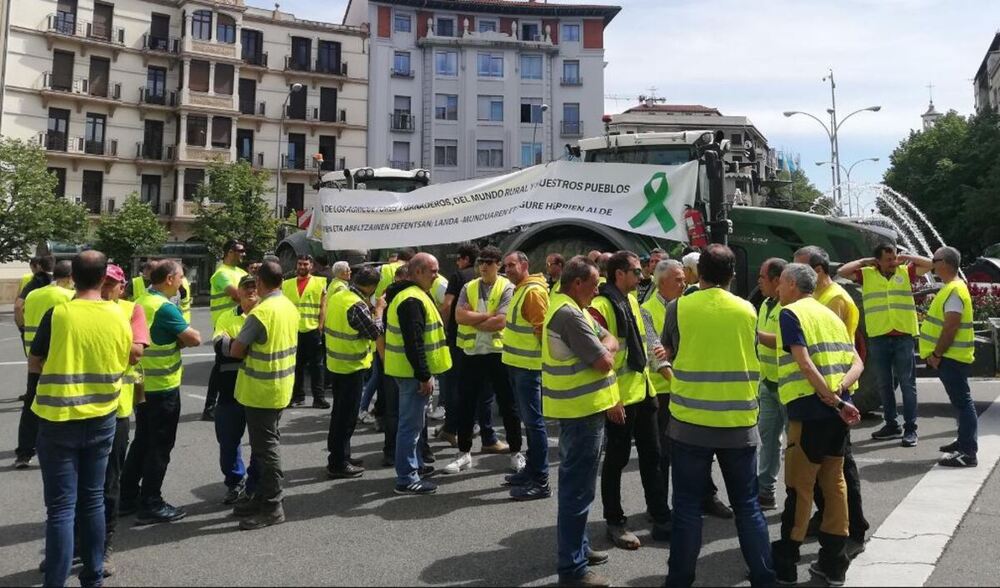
(195,396)
(906,548)
(183,356)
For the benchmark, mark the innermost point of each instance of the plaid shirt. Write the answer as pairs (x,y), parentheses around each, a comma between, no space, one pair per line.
(360,318)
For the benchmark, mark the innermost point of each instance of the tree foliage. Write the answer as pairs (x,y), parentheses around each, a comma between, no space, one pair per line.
(30,212)
(132,230)
(236,209)
(799,195)
(952,173)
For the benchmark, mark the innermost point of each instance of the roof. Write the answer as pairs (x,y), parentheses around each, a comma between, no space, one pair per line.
(994,46)
(511,7)
(675,108)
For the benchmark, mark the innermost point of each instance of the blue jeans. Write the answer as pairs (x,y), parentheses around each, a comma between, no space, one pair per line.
(892,358)
(955,377)
(371,383)
(773,422)
(528,397)
(692,467)
(579,459)
(412,412)
(230,425)
(73,456)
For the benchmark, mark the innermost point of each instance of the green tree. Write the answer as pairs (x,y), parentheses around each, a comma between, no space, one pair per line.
(132,230)
(799,195)
(30,212)
(236,209)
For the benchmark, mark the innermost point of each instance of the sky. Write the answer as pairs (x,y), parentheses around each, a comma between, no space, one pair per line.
(759,59)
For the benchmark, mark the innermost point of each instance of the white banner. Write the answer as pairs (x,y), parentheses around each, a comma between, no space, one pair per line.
(645,199)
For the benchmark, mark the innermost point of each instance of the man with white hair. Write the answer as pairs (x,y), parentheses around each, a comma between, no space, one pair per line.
(341,278)
(690,263)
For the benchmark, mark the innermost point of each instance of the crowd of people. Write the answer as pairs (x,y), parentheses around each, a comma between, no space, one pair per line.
(615,348)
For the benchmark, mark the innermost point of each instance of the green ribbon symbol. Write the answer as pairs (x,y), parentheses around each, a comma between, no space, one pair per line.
(656,199)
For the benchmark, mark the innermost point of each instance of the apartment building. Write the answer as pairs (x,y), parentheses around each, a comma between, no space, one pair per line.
(472,88)
(986,82)
(141,95)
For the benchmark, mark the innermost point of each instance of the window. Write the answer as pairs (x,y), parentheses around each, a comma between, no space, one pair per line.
(530,31)
(57,137)
(66,17)
(225,29)
(446,106)
(296,151)
(222,132)
(62,71)
(201,25)
(446,63)
(295,194)
(197,130)
(328,147)
(100,68)
(93,187)
(571,72)
(156,85)
(253,46)
(248,96)
(198,76)
(224,79)
(297,104)
(489,154)
(159,32)
(401,118)
(531,154)
(328,104)
(736,139)
(445,153)
(328,57)
(152,140)
(244,145)
(571,119)
(490,108)
(400,155)
(103,18)
(94,133)
(487,26)
(401,63)
(60,174)
(531,110)
(150,191)
(531,67)
(571,32)
(301,51)
(490,65)
(445,27)
(194,178)
(401,23)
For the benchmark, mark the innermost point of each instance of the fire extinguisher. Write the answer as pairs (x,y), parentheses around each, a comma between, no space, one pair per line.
(695,223)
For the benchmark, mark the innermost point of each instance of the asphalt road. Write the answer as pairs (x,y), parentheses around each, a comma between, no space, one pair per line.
(356,532)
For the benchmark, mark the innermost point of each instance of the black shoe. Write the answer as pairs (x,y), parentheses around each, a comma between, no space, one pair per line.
(767,501)
(346,472)
(356,461)
(247,508)
(909,439)
(234,494)
(854,548)
(429,457)
(515,480)
(958,460)
(128,507)
(714,508)
(425,471)
(296,402)
(208,414)
(321,403)
(661,532)
(950,448)
(161,513)
(260,520)
(832,578)
(22,463)
(530,492)
(418,488)
(22,397)
(887,432)
(597,558)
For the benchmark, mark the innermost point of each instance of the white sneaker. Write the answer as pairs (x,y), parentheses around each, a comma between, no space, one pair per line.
(517,462)
(366,419)
(462,462)
(437,414)
(475,430)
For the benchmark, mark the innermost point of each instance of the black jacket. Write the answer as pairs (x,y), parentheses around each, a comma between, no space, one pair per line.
(412,320)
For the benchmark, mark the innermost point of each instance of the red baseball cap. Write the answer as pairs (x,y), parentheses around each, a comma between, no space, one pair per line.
(115,273)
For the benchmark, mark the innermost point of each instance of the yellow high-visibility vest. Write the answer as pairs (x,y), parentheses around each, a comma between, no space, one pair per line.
(658,311)
(435,346)
(521,347)
(138,288)
(336,285)
(466,338)
(346,350)
(963,348)
(39,302)
(219,300)
(132,375)
(888,302)
(632,386)
(835,292)
(387,275)
(830,348)
(24,282)
(161,364)
(267,375)
(186,299)
(309,303)
(82,375)
(767,322)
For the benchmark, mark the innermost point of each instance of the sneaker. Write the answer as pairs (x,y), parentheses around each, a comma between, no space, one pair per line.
(714,508)
(437,414)
(854,548)
(161,513)
(366,419)
(462,462)
(887,432)
(233,494)
(950,448)
(208,415)
(475,429)
(958,460)
(622,537)
(347,472)
(426,471)
(909,439)
(321,403)
(766,500)
(514,480)
(263,519)
(832,578)
(297,403)
(429,457)
(418,488)
(356,461)
(596,558)
(496,448)
(530,492)
(517,462)
(589,578)
(22,463)
(661,532)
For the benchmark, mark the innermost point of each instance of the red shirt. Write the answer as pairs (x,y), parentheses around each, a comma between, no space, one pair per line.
(140,332)
(302,282)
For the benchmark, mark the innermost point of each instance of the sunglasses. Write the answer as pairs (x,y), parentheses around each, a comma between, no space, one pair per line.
(637,271)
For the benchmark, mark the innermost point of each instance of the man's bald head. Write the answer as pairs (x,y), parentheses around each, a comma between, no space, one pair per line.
(89,268)
(423,270)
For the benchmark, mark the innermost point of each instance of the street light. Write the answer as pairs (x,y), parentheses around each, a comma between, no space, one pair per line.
(296,87)
(848,171)
(545,108)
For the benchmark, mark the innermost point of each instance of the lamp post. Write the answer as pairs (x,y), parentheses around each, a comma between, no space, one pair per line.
(534,130)
(296,87)
(848,171)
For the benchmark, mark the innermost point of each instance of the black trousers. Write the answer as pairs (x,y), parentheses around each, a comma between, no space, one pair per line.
(389,393)
(112,478)
(485,375)
(855,509)
(309,356)
(640,424)
(156,422)
(212,392)
(265,445)
(27,426)
(346,403)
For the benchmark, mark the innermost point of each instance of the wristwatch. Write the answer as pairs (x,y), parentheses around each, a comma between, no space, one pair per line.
(840,405)
(937,355)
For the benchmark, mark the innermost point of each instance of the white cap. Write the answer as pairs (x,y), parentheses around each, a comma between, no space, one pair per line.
(690,260)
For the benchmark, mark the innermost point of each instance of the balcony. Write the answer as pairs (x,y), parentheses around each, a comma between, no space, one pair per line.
(255,60)
(571,128)
(94,204)
(571,81)
(65,25)
(488,40)
(256,160)
(229,52)
(401,73)
(81,91)
(293,164)
(157,44)
(202,154)
(210,100)
(317,72)
(403,165)
(153,156)
(156,100)
(403,122)
(77,149)
(315,120)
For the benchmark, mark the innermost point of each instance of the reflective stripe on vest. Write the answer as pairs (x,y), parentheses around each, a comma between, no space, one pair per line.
(571,388)
(161,364)
(466,337)
(716,370)
(435,347)
(888,303)
(219,300)
(39,302)
(267,375)
(632,386)
(963,348)
(767,322)
(658,311)
(346,350)
(309,303)
(830,348)
(82,374)
(521,347)
(130,377)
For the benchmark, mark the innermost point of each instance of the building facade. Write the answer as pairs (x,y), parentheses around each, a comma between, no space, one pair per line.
(473,88)
(140,96)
